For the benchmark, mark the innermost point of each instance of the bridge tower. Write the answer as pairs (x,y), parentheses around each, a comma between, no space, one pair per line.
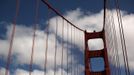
(89,54)
(95,54)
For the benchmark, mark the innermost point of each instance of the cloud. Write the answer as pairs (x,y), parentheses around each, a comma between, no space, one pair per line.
(37,72)
(23,40)
(2,71)
(23,44)
(94,21)
(49,72)
(71,34)
(128,21)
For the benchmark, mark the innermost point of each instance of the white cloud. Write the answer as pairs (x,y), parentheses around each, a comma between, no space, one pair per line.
(38,72)
(95,21)
(78,69)
(23,39)
(2,71)
(24,72)
(23,44)
(68,36)
(128,21)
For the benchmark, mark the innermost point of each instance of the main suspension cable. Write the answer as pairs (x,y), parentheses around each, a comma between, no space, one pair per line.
(58,13)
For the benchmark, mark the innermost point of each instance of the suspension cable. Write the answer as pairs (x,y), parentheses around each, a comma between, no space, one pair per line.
(123,42)
(12,37)
(116,45)
(55,56)
(62,46)
(58,13)
(34,36)
(74,46)
(46,49)
(109,35)
(71,51)
(67,45)
(113,48)
(112,44)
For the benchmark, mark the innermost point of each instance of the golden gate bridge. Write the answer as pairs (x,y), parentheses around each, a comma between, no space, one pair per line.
(109,53)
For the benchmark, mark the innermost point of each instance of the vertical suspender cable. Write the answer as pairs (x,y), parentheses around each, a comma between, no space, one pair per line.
(62,46)
(46,49)
(34,36)
(116,46)
(76,68)
(12,37)
(67,45)
(122,38)
(72,25)
(78,71)
(71,51)
(110,35)
(55,56)
(124,57)
(74,48)
(108,31)
(112,42)
(112,45)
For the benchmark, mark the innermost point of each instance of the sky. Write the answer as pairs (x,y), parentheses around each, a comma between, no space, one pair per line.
(87,14)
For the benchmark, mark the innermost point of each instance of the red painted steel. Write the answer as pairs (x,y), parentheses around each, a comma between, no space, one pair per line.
(97,53)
